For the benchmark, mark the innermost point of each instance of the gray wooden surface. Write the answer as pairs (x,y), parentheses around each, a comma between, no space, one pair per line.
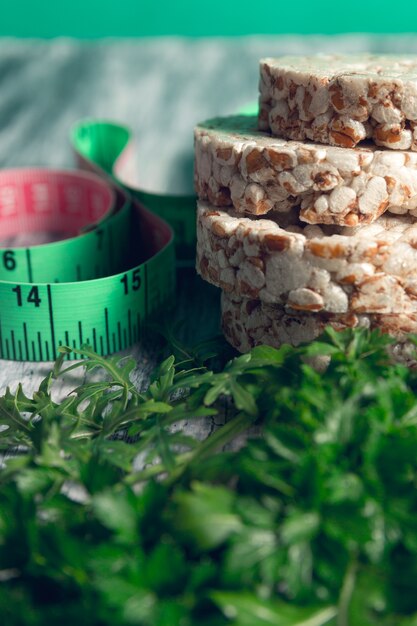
(161,88)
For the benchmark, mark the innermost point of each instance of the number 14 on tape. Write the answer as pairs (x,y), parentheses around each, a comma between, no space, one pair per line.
(107,314)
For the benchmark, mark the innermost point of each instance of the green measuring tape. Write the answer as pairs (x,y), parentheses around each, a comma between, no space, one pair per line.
(102,146)
(113,266)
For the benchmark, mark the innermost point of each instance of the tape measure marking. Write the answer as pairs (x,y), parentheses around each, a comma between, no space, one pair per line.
(76,205)
(114,265)
(48,200)
(105,312)
(44,314)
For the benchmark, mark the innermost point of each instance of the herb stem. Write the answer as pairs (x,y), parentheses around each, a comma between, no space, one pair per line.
(155,470)
(220,438)
(347,591)
(224,434)
(104,363)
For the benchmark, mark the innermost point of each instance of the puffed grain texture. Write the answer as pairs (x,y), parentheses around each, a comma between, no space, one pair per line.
(248,323)
(240,166)
(367,269)
(341,99)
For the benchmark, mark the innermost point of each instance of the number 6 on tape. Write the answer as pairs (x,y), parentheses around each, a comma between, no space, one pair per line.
(113,267)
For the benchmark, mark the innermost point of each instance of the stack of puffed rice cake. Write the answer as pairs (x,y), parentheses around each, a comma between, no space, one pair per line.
(300,235)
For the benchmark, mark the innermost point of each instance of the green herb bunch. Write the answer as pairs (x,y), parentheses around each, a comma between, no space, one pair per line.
(111,515)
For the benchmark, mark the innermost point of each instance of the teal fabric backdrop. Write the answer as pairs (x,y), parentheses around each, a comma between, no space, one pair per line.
(127,18)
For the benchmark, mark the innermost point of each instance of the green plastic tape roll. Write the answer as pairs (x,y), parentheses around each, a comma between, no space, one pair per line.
(112,265)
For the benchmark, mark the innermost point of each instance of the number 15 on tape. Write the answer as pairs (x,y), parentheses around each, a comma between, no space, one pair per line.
(107,314)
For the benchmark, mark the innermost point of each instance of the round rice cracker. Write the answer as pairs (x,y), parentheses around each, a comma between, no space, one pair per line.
(236,165)
(369,269)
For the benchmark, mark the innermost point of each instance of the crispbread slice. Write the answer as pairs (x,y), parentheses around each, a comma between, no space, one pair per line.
(368,269)
(341,99)
(240,166)
(248,323)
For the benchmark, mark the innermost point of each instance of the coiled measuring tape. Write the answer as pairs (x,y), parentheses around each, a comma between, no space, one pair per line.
(113,265)
(102,146)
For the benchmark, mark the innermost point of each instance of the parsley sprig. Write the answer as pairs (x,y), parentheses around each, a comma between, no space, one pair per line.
(111,514)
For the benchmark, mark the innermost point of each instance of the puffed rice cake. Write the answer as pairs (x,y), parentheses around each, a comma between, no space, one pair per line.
(237,165)
(248,323)
(367,269)
(341,99)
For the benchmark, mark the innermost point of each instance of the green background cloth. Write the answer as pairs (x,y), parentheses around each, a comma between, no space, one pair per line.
(131,18)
